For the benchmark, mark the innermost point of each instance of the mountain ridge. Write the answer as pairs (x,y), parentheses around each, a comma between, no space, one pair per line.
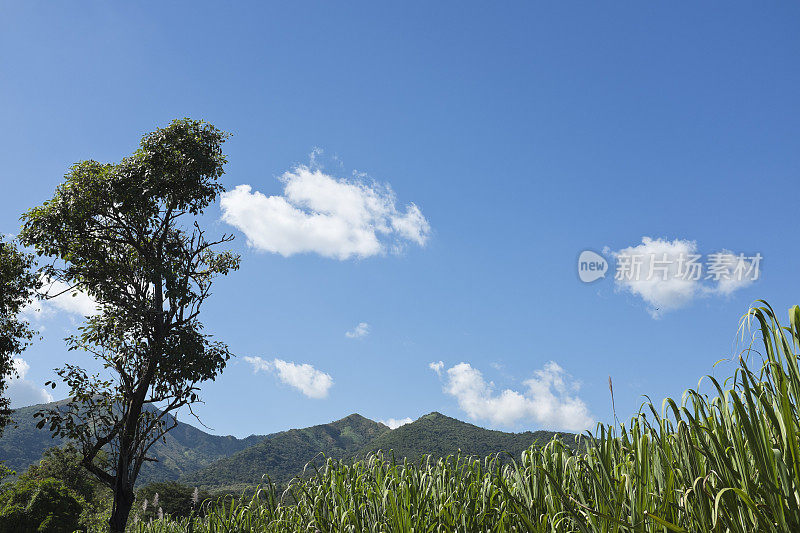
(184,447)
(439,435)
(432,434)
(227,463)
(284,455)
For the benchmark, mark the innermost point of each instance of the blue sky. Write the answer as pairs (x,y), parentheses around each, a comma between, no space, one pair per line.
(523,133)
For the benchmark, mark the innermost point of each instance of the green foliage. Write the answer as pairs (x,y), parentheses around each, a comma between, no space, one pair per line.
(44,505)
(729,462)
(437,435)
(183,450)
(64,464)
(186,449)
(284,455)
(18,286)
(169,498)
(5,472)
(214,462)
(128,234)
(22,444)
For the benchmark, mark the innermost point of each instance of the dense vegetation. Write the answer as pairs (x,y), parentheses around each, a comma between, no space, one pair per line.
(40,505)
(283,455)
(729,461)
(437,435)
(18,285)
(227,464)
(55,494)
(169,498)
(58,494)
(183,450)
(129,235)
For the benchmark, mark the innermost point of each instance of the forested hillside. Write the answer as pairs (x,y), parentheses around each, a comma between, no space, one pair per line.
(226,463)
(439,435)
(283,455)
(184,449)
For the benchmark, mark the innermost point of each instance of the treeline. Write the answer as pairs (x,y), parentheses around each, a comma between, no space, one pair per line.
(57,494)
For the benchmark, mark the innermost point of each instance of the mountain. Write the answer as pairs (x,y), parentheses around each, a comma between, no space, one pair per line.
(195,457)
(439,435)
(284,455)
(184,449)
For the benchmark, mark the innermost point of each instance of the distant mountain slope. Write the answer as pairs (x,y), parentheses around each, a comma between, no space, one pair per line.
(283,455)
(227,463)
(439,435)
(185,449)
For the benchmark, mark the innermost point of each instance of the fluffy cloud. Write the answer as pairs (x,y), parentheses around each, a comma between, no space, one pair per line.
(669,275)
(74,302)
(730,261)
(549,399)
(436,366)
(303,377)
(361,330)
(317,213)
(395,423)
(23,392)
(660,294)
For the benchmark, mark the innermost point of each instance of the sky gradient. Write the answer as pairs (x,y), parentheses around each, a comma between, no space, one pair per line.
(411,186)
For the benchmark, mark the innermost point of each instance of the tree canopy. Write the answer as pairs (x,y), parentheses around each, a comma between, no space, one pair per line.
(129,235)
(18,285)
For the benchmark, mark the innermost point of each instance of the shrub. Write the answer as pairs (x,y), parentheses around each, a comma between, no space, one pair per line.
(44,505)
(64,464)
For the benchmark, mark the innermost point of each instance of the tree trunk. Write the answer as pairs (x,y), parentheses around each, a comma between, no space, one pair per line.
(123,484)
(125,479)
(123,501)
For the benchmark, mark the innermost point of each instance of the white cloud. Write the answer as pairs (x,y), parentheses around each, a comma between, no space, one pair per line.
(659,272)
(729,262)
(260,364)
(549,400)
(660,294)
(303,377)
(23,392)
(361,330)
(74,302)
(318,213)
(436,366)
(395,423)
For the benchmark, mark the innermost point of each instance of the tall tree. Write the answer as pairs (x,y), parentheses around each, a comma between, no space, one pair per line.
(18,286)
(128,234)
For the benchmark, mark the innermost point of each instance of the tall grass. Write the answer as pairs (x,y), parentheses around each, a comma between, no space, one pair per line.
(728,461)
